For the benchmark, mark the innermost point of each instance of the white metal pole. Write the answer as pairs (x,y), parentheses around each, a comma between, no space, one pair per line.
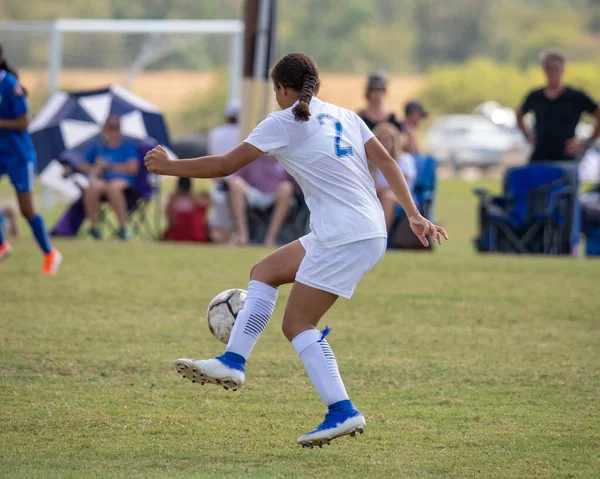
(236,63)
(55,58)
(54,67)
(151,26)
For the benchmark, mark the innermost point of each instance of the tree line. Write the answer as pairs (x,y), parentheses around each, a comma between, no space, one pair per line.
(400,36)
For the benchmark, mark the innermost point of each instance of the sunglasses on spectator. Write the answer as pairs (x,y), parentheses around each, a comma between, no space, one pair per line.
(554,66)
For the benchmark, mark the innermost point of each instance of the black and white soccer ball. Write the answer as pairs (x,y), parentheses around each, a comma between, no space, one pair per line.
(222,312)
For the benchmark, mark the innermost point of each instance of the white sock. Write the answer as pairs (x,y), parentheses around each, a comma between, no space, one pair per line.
(252,320)
(321,366)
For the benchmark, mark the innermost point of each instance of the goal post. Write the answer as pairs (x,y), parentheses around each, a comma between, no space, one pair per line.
(233,28)
(84,52)
(52,34)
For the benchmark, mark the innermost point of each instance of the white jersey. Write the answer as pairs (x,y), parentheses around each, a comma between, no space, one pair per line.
(326,156)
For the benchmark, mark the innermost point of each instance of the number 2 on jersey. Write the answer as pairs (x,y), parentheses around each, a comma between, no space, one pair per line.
(339,150)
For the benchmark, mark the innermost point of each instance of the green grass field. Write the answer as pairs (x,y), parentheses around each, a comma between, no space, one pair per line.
(465,366)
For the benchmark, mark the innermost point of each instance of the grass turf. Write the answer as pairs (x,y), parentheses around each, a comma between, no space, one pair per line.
(464,365)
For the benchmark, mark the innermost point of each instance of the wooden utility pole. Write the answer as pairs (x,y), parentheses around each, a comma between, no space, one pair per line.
(260,19)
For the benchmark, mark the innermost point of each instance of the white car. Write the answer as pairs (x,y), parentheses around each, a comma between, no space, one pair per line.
(473,140)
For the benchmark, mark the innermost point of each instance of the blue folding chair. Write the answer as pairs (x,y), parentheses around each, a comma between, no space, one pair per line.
(426,184)
(534,215)
(590,220)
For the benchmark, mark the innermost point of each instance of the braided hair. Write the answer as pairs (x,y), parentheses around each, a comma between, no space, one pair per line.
(298,72)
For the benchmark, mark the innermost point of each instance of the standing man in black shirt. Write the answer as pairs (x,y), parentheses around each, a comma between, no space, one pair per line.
(557,109)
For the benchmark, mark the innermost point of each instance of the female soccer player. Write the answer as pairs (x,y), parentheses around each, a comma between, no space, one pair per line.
(325,148)
(17,159)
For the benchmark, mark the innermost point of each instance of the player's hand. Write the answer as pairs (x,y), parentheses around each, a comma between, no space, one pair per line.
(158,161)
(573,147)
(422,228)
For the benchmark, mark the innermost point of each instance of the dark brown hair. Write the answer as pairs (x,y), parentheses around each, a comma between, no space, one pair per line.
(6,67)
(300,73)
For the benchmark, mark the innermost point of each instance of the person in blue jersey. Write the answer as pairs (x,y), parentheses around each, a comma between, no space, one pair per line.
(17,160)
(112,166)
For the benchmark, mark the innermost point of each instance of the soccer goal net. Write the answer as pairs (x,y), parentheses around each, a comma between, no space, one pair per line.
(175,64)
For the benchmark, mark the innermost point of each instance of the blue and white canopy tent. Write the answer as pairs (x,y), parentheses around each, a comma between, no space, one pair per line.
(72,122)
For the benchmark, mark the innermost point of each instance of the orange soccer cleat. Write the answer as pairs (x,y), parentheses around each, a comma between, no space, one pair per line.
(5,250)
(52,262)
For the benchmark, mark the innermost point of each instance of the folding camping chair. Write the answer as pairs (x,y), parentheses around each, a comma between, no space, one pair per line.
(401,236)
(590,213)
(532,215)
(138,199)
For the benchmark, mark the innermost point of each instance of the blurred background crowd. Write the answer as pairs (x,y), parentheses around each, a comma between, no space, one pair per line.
(466,88)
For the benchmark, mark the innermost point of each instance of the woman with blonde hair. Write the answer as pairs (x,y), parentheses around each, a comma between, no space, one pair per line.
(396,143)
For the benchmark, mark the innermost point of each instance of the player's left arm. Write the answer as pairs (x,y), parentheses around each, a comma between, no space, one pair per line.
(421,226)
(216,166)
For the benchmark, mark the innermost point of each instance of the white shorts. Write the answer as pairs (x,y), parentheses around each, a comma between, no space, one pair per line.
(259,200)
(220,215)
(338,270)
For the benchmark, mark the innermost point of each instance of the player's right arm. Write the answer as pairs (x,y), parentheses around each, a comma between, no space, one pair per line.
(267,137)
(216,166)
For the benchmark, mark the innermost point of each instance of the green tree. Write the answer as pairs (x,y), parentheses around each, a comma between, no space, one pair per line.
(460,88)
(326,30)
(343,35)
(448,34)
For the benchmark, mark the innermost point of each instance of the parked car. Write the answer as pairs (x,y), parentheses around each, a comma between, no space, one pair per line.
(473,140)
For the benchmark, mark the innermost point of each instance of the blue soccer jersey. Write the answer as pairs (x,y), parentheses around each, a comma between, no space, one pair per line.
(17,154)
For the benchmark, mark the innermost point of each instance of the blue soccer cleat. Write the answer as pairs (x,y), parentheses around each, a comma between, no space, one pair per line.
(226,370)
(342,419)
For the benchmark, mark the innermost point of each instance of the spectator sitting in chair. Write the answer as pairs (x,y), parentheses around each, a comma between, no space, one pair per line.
(376,111)
(395,143)
(557,109)
(112,167)
(262,184)
(186,214)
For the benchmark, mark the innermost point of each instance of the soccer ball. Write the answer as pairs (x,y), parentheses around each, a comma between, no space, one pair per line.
(222,312)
